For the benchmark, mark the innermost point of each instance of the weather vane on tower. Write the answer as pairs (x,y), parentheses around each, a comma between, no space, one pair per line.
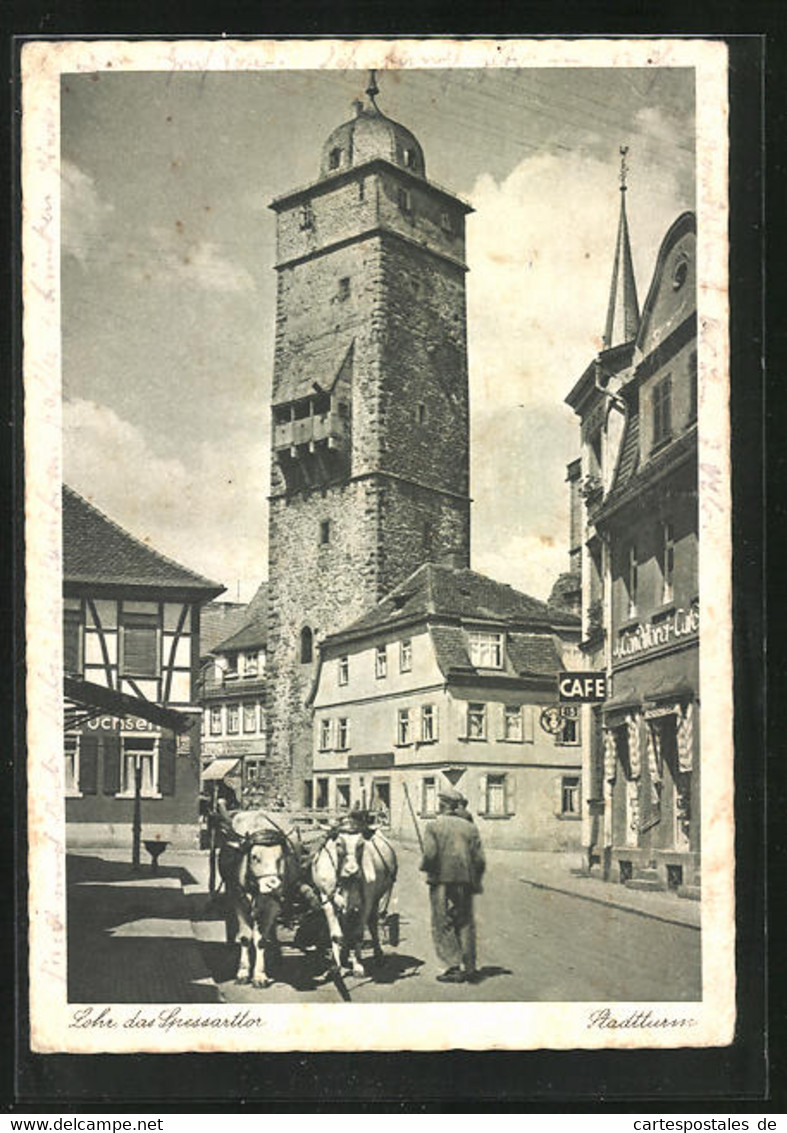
(372,88)
(623,168)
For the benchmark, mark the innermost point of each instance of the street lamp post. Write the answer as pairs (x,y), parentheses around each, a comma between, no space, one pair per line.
(136,827)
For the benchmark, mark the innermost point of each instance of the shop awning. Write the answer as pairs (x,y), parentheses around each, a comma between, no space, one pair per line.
(670,688)
(219,769)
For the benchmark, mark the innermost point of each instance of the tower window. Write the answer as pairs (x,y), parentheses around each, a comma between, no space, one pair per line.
(361,190)
(335,158)
(344,287)
(409,158)
(325,532)
(307,646)
(420,413)
(405,200)
(307,216)
(445,222)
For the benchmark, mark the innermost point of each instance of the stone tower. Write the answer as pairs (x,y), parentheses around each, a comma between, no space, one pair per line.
(370,431)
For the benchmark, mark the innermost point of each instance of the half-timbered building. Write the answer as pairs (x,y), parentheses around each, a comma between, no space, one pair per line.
(131,630)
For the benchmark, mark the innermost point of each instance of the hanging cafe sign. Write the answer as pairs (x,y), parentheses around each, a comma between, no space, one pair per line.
(652,635)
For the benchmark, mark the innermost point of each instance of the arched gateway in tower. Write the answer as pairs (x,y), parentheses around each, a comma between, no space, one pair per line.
(370,435)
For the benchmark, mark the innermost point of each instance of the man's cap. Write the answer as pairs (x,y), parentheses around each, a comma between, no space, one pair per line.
(450,795)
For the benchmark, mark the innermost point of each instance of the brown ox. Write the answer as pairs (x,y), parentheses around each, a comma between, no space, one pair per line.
(354,872)
(258,875)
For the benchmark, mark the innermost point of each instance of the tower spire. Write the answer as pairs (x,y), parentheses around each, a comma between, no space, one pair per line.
(373,90)
(623,310)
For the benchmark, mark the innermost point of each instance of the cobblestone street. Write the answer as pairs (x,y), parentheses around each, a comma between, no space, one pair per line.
(543,935)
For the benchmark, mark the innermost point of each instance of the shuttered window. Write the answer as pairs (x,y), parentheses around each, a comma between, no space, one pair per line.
(88,765)
(497,795)
(140,640)
(72,642)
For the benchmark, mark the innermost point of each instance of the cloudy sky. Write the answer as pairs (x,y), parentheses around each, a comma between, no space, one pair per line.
(168,286)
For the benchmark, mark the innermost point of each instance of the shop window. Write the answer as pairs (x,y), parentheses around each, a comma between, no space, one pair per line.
(321,794)
(142,753)
(343,670)
(476,721)
(71,765)
(254,770)
(139,636)
(342,733)
(428,724)
(250,717)
(405,655)
(486,650)
(307,646)
(662,411)
(381,662)
(428,797)
(72,642)
(404,729)
(233,719)
(512,723)
(667,563)
(215,720)
(342,794)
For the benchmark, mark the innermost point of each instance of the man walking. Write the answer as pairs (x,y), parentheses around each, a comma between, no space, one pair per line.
(453,861)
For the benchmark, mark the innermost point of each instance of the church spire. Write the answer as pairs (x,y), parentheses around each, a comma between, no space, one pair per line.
(623,311)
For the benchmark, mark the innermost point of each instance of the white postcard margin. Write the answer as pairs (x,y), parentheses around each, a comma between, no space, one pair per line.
(435,1026)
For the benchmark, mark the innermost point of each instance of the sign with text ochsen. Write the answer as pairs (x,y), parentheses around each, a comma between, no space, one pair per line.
(581,688)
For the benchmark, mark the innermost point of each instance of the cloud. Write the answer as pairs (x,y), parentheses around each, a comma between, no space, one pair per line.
(208,514)
(84,213)
(169,258)
(540,249)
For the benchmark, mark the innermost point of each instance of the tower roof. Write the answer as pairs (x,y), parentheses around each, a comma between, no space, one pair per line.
(369,135)
(623,310)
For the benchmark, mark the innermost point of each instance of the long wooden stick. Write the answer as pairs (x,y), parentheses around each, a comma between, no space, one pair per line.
(415,820)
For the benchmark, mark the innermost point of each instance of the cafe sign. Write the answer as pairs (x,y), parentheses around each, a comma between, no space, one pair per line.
(647,636)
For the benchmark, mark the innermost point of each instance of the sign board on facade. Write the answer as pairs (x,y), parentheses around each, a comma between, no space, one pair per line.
(582,688)
(375,761)
(644,637)
(109,723)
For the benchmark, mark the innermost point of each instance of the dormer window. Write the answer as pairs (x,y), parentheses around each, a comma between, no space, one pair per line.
(486,650)
(251,663)
(335,158)
(231,666)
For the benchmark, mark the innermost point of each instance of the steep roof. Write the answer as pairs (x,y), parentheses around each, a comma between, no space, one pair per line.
(218,621)
(460,594)
(321,360)
(97,550)
(252,633)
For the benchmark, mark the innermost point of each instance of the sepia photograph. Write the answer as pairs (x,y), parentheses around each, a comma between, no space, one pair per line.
(384,505)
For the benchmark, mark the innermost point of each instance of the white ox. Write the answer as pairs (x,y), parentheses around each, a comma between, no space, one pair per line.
(354,873)
(257,876)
